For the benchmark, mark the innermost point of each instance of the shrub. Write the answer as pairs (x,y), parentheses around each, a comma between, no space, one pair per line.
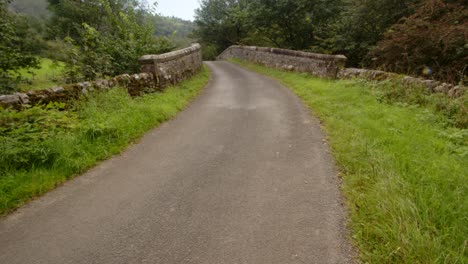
(430,41)
(16,48)
(396,91)
(25,136)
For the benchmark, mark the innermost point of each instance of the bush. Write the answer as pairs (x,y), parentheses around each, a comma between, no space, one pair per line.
(105,41)
(454,109)
(16,48)
(430,42)
(25,136)
(209,52)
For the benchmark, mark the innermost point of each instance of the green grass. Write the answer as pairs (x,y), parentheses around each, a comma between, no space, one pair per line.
(47,76)
(404,169)
(43,147)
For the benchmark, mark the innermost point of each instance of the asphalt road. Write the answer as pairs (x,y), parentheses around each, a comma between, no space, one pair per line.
(241,176)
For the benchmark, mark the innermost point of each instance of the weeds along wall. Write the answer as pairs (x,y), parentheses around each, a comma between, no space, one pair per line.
(157,72)
(329,66)
(321,65)
(432,86)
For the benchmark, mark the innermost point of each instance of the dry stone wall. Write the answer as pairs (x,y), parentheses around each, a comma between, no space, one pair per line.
(158,71)
(331,66)
(321,65)
(376,75)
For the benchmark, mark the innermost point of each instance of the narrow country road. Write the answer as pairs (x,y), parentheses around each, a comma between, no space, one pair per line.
(241,176)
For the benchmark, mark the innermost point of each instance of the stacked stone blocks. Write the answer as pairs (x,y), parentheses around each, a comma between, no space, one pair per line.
(321,65)
(158,71)
(329,66)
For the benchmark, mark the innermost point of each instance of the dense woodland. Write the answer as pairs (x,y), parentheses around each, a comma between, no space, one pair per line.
(407,36)
(97,38)
(94,38)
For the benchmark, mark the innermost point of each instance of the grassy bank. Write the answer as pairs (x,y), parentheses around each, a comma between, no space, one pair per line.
(42,147)
(404,168)
(47,76)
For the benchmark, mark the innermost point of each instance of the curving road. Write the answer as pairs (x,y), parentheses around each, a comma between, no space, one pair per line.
(241,176)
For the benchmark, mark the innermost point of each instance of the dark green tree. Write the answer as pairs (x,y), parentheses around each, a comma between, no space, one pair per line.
(16,50)
(68,16)
(432,42)
(222,23)
(362,23)
(293,24)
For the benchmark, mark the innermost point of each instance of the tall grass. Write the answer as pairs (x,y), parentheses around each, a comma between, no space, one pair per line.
(42,147)
(47,76)
(404,169)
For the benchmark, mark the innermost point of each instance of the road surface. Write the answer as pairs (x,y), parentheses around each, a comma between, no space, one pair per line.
(241,176)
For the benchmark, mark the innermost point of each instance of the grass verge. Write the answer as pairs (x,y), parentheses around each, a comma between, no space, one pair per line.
(47,76)
(43,147)
(404,169)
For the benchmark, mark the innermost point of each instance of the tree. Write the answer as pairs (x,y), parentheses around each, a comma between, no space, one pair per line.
(69,15)
(177,30)
(434,39)
(16,51)
(222,23)
(293,24)
(105,37)
(362,23)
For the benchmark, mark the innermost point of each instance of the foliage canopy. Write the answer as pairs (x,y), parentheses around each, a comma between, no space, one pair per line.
(15,53)
(95,38)
(403,36)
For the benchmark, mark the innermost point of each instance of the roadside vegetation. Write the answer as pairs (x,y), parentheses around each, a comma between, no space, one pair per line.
(91,39)
(414,37)
(44,43)
(43,146)
(403,153)
(403,163)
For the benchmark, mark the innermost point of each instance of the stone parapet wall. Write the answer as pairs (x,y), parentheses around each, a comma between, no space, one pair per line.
(330,66)
(136,84)
(171,68)
(320,65)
